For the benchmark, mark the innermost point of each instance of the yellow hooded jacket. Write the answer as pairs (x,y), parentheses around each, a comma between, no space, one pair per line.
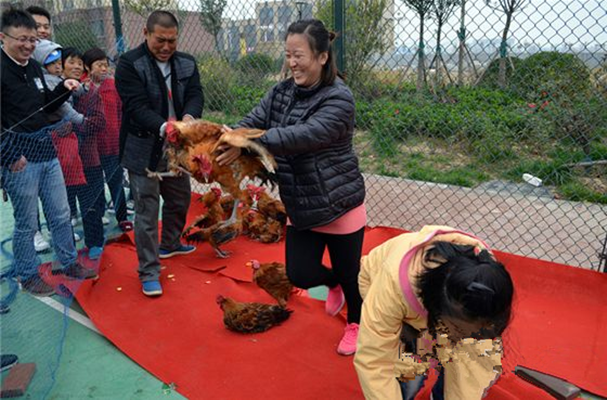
(387,282)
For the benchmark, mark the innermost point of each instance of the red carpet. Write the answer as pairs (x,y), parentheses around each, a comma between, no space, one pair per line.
(560,327)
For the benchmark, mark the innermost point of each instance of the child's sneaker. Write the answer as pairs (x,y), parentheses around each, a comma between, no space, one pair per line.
(40,244)
(95,252)
(335,301)
(126,226)
(347,345)
(151,288)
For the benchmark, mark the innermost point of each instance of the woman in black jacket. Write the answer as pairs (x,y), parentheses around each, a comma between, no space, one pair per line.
(309,123)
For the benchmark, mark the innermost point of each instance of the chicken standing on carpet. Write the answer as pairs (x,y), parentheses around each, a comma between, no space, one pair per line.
(272,277)
(267,205)
(262,228)
(192,147)
(251,317)
(266,219)
(219,234)
(213,211)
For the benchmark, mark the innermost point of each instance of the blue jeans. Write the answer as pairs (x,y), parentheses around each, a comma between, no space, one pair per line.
(410,389)
(114,176)
(43,179)
(91,198)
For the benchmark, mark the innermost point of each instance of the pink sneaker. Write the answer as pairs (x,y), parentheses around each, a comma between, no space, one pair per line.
(347,345)
(335,301)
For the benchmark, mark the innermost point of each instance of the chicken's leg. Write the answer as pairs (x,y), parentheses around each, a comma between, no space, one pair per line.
(169,174)
(234,215)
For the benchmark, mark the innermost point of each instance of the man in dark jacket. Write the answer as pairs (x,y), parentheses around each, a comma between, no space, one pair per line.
(156,84)
(29,162)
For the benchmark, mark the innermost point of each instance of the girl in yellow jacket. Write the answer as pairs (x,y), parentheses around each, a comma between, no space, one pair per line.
(432,299)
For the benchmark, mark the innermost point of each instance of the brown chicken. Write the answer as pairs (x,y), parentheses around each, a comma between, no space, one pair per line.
(219,234)
(267,205)
(193,147)
(272,277)
(251,317)
(262,228)
(213,214)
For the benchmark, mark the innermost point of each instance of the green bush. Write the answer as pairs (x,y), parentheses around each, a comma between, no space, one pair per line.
(552,75)
(490,123)
(490,77)
(217,79)
(581,120)
(245,98)
(255,65)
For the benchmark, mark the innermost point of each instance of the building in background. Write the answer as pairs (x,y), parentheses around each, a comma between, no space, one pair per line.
(265,32)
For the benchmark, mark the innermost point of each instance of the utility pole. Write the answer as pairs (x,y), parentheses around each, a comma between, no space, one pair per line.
(339,13)
(118,27)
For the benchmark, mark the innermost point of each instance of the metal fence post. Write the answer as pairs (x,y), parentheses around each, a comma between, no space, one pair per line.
(603,257)
(118,27)
(339,23)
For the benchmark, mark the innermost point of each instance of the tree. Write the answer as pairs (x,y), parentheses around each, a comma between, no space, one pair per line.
(508,7)
(145,7)
(211,13)
(422,8)
(441,12)
(363,33)
(76,34)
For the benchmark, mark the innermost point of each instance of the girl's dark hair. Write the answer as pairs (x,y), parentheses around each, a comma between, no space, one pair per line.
(466,285)
(68,52)
(92,55)
(320,40)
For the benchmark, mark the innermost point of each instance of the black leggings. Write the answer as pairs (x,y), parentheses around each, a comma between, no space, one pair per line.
(304,252)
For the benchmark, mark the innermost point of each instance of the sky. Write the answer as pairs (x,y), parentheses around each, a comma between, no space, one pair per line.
(546,23)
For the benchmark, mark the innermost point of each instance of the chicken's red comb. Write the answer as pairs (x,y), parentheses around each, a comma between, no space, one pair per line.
(172,133)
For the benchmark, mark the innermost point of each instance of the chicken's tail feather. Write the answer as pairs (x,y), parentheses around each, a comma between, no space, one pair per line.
(266,158)
(196,237)
(280,314)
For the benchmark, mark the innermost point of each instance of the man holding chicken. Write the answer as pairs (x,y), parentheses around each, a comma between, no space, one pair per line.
(156,84)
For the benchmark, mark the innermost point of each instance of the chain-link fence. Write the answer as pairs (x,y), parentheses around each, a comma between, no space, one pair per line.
(486,115)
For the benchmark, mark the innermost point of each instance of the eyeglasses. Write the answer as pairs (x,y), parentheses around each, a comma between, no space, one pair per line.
(23,40)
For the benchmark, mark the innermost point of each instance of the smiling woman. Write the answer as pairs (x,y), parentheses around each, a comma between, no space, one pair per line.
(309,123)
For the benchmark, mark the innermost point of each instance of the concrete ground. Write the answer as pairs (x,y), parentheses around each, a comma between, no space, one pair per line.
(565,232)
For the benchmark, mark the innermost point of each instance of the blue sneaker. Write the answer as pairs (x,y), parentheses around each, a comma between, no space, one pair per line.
(151,288)
(181,250)
(95,252)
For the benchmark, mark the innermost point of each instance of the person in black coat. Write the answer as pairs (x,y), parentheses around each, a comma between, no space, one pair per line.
(309,123)
(156,84)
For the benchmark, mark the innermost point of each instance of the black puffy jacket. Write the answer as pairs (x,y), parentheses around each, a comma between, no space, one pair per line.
(145,106)
(309,131)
